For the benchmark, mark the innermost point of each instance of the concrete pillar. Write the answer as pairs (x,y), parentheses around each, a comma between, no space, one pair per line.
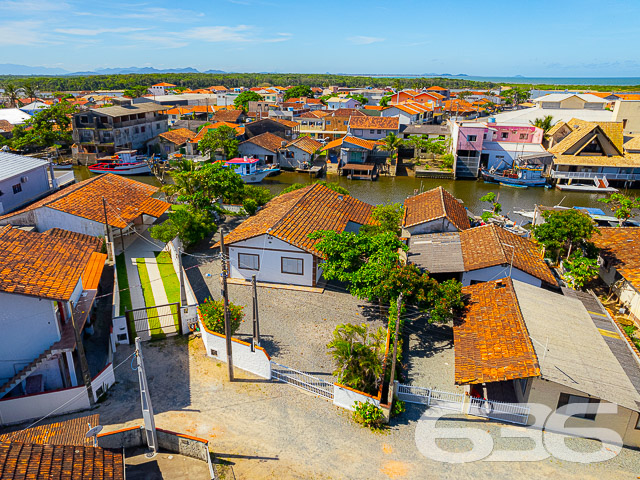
(72,369)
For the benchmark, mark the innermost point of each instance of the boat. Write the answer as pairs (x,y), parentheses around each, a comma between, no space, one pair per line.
(68,165)
(125,162)
(599,185)
(516,177)
(248,169)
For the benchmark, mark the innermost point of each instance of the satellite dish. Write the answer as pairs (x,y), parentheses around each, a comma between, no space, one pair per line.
(94,431)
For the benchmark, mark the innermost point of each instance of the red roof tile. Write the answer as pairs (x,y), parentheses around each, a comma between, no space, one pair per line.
(68,432)
(383,123)
(266,140)
(432,205)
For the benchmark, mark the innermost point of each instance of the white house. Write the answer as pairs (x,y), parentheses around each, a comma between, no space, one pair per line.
(373,128)
(48,282)
(274,245)
(434,211)
(302,150)
(571,365)
(334,103)
(23,180)
(265,147)
(409,113)
(80,208)
(160,89)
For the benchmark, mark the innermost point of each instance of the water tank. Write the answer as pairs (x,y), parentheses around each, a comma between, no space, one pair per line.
(492,119)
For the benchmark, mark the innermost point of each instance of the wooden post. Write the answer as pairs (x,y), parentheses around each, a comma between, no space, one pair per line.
(225,298)
(395,352)
(84,366)
(256,318)
(106,222)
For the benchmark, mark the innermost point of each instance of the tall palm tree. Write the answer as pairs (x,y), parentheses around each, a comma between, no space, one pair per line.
(11,94)
(183,181)
(545,123)
(392,143)
(30,90)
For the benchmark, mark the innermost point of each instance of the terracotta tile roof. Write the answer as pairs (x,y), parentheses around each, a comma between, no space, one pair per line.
(41,265)
(232,116)
(358,142)
(293,216)
(306,144)
(5,126)
(164,84)
(490,245)
(434,204)
(435,87)
(218,88)
(68,432)
(19,461)
(628,96)
(178,136)
(412,108)
(374,107)
(348,112)
(382,123)
(491,340)
(266,140)
(206,128)
(93,271)
(126,200)
(620,245)
(316,114)
(286,123)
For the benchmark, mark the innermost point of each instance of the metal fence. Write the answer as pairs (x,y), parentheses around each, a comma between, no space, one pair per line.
(507,412)
(431,397)
(153,322)
(302,380)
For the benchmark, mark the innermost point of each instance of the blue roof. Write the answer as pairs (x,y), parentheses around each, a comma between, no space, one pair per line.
(591,210)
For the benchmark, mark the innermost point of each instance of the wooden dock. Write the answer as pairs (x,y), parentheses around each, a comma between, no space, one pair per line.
(317,170)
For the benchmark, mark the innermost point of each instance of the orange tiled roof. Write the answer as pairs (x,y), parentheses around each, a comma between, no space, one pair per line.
(347,112)
(218,88)
(20,461)
(359,142)
(293,216)
(164,84)
(432,205)
(382,123)
(93,271)
(5,126)
(491,341)
(306,144)
(286,123)
(490,245)
(266,140)
(68,432)
(374,107)
(178,136)
(213,126)
(126,200)
(228,115)
(620,244)
(435,87)
(41,265)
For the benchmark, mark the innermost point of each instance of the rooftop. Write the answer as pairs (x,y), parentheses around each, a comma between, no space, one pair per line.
(178,136)
(119,111)
(382,123)
(427,130)
(230,115)
(432,205)
(12,165)
(436,252)
(527,115)
(68,432)
(620,245)
(350,139)
(42,265)
(307,144)
(266,140)
(559,97)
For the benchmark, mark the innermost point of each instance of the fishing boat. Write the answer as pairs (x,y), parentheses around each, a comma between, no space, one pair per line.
(68,165)
(248,169)
(516,177)
(125,162)
(599,185)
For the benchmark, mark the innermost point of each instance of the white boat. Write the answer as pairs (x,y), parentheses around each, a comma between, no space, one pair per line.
(248,169)
(599,185)
(125,162)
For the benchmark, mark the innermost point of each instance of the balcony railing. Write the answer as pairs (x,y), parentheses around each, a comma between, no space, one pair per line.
(592,175)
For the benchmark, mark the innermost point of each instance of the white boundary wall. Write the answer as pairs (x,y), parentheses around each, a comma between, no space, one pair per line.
(345,397)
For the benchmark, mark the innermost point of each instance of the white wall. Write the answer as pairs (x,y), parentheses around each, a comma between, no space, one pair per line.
(47,218)
(28,327)
(345,397)
(36,186)
(257,362)
(255,151)
(17,410)
(270,251)
(497,272)
(435,226)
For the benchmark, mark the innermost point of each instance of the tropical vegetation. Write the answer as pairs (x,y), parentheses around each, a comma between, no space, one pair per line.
(212,315)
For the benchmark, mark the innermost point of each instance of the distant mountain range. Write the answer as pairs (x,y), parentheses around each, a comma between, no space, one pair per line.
(13,69)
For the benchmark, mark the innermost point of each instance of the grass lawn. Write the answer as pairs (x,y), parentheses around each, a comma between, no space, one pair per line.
(152,313)
(123,284)
(170,280)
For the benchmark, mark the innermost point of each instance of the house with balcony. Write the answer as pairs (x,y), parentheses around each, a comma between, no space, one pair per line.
(373,128)
(355,156)
(409,113)
(103,131)
(592,151)
(299,152)
(48,284)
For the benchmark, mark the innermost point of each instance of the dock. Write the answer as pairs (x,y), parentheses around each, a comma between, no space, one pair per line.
(317,169)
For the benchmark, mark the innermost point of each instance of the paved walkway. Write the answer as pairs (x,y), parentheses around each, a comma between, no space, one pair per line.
(159,293)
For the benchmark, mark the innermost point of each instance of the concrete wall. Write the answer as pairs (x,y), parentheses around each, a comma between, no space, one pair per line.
(21,409)
(299,157)
(256,362)
(345,397)
(255,151)
(438,225)
(45,218)
(270,251)
(36,186)
(29,327)
(628,112)
(497,272)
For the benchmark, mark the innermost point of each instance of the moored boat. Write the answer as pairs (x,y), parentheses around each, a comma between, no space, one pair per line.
(125,162)
(248,169)
(515,178)
(599,185)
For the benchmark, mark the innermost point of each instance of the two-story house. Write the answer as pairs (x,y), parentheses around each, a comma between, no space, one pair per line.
(23,180)
(334,103)
(373,128)
(160,89)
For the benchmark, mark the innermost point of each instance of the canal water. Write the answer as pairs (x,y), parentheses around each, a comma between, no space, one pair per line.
(396,189)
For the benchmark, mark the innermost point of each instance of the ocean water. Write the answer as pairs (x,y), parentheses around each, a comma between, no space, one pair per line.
(613,81)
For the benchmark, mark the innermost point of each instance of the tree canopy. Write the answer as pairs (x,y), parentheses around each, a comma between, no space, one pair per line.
(46,128)
(298,91)
(563,230)
(242,100)
(330,185)
(387,217)
(622,205)
(135,91)
(223,139)
(209,183)
(189,224)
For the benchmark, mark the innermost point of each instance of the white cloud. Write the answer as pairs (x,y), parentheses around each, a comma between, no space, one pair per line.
(91,32)
(237,34)
(24,34)
(33,6)
(363,40)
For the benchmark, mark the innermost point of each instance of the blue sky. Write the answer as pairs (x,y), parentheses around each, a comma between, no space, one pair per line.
(498,38)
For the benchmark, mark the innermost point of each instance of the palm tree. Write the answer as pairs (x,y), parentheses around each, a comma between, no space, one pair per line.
(545,123)
(392,143)
(11,94)
(183,181)
(30,91)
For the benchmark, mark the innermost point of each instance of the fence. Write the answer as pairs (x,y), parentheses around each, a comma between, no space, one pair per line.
(431,397)
(302,380)
(154,322)
(507,412)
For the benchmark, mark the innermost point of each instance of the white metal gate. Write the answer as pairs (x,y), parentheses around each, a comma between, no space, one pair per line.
(302,380)
(507,412)
(431,397)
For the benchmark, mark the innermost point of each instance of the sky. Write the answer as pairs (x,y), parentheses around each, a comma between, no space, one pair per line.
(499,38)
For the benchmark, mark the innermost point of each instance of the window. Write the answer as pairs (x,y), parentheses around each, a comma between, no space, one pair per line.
(504,135)
(372,131)
(136,130)
(248,261)
(157,126)
(84,119)
(592,405)
(143,129)
(523,136)
(294,266)
(472,138)
(328,122)
(17,188)
(379,132)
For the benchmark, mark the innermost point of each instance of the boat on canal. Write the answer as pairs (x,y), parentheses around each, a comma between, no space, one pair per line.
(599,185)
(248,169)
(125,162)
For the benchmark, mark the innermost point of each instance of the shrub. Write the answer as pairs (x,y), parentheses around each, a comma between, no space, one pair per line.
(212,312)
(447,160)
(399,407)
(368,414)
(250,206)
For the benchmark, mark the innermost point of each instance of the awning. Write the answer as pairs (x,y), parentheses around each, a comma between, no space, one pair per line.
(359,167)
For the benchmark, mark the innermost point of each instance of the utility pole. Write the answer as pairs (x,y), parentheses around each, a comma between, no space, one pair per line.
(147,408)
(106,222)
(183,290)
(84,366)
(395,352)
(225,298)
(256,319)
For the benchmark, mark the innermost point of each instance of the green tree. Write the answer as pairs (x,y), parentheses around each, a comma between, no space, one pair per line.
(564,230)
(11,94)
(515,95)
(545,123)
(298,91)
(622,206)
(359,98)
(391,143)
(464,94)
(579,269)
(188,224)
(384,101)
(330,185)
(136,91)
(359,356)
(496,207)
(183,181)
(30,91)
(46,128)
(250,206)
(259,194)
(242,100)
(387,218)
(211,182)
(223,139)
(212,312)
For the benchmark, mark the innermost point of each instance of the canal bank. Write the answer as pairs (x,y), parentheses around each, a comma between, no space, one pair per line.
(397,189)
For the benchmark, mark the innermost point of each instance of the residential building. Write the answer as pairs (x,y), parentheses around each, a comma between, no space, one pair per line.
(173,141)
(104,131)
(81,207)
(432,132)
(434,211)
(299,152)
(23,180)
(628,112)
(274,245)
(6,129)
(285,129)
(439,90)
(334,103)
(14,116)
(519,343)
(409,113)
(350,150)
(373,128)
(226,99)
(229,115)
(161,89)
(265,147)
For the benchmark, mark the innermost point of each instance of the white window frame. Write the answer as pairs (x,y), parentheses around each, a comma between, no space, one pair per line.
(299,261)
(253,256)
